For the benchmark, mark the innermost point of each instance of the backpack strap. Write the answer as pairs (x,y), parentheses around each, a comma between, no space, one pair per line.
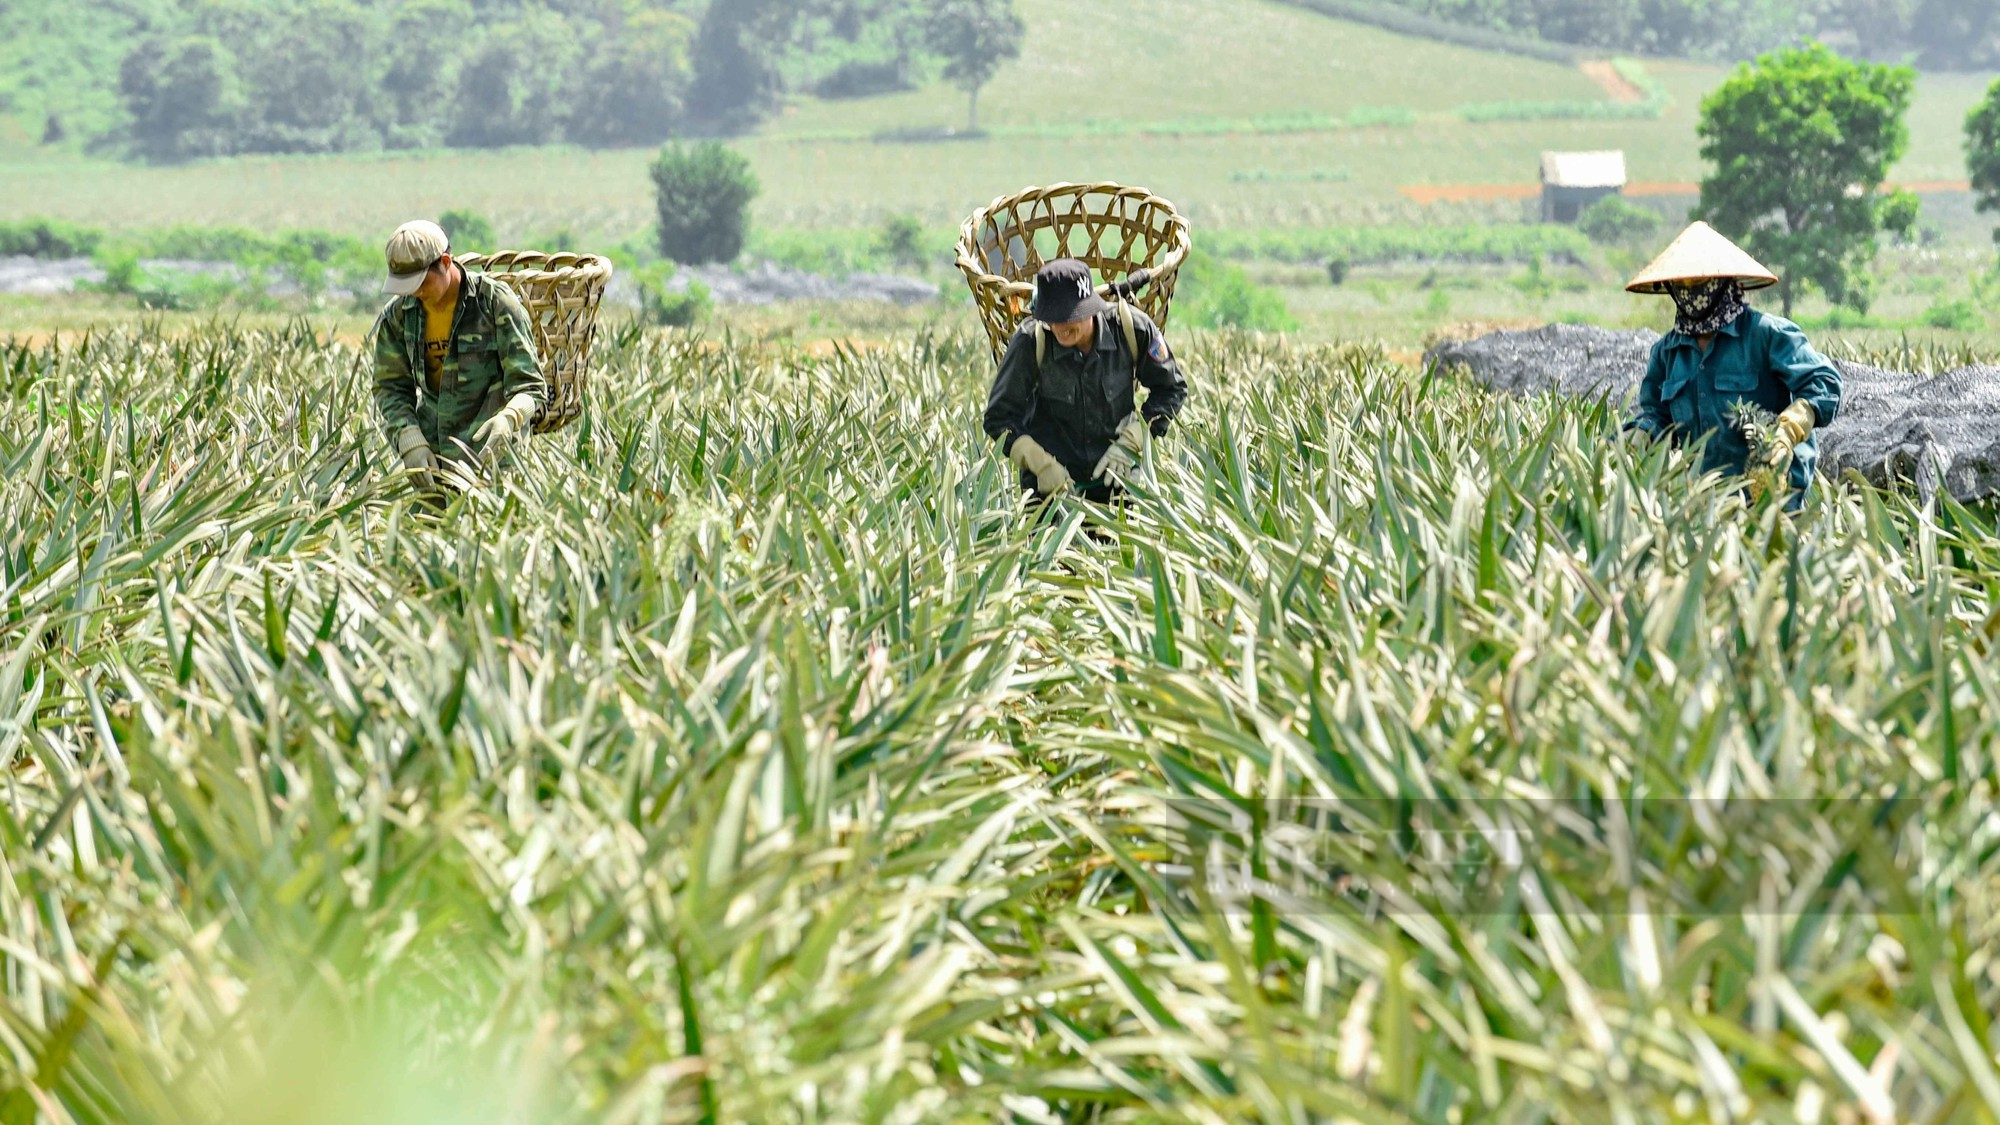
(1041,345)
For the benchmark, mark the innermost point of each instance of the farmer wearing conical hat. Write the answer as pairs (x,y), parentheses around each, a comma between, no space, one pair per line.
(1064,404)
(457,377)
(1722,354)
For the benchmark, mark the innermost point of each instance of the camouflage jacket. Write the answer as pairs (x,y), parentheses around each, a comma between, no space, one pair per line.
(490,359)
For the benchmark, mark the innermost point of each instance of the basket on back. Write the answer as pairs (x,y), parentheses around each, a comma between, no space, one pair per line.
(561,292)
(1113,229)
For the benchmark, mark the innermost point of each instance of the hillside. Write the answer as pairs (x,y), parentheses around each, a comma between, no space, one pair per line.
(1249,112)
(61,57)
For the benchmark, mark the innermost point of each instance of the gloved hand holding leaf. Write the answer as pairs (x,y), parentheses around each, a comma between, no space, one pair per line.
(498,434)
(1793,426)
(1051,479)
(418,459)
(1126,450)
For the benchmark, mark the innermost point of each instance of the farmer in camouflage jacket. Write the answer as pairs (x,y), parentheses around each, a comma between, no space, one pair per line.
(457,377)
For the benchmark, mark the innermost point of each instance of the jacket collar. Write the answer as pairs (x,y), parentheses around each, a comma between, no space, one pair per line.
(1678,339)
(1105,341)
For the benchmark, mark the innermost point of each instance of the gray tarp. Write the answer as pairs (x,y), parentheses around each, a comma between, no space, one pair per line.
(1888,420)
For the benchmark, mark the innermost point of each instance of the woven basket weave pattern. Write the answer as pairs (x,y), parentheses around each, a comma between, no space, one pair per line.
(1113,229)
(561,293)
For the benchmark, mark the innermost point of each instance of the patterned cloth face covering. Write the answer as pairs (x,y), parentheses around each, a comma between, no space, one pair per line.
(1704,307)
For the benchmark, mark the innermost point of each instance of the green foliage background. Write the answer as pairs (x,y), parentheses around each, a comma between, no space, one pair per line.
(1799,145)
(1943,33)
(174,79)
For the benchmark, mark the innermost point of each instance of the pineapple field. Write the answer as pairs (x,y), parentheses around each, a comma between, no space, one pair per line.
(750,752)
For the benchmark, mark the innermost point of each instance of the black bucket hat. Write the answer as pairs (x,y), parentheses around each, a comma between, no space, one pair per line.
(1063,293)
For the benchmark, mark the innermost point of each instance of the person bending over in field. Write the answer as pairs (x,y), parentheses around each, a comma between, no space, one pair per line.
(1723,357)
(1063,406)
(457,377)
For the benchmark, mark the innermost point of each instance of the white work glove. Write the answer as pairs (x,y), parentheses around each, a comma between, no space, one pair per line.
(1051,479)
(1126,449)
(419,462)
(497,435)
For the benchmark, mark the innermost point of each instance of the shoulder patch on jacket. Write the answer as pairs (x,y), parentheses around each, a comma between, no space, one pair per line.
(1159,351)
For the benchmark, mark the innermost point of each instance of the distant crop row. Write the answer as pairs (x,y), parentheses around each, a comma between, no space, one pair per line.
(1405,22)
(1380,245)
(1631,70)
(1363,117)
(315,258)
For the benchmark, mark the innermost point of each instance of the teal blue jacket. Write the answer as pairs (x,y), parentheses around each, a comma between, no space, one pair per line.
(1757,358)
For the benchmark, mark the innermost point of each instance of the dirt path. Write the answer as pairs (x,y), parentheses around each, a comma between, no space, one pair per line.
(1614,83)
(1469,193)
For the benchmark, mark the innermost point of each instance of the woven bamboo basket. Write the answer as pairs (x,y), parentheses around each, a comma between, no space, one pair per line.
(1115,230)
(561,292)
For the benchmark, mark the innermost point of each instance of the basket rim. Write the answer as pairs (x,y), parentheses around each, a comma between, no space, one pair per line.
(1180,233)
(530,265)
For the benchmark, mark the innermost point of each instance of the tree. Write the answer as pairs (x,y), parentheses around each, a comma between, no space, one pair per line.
(1614,220)
(1879,22)
(631,91)
(703,193)
(1800,142)
(468,232)
(1982,152)
(1957,34)
(183,97)
(417,61)
(736,52)
(511,86)
(301,84)
(974,37)
(859,48)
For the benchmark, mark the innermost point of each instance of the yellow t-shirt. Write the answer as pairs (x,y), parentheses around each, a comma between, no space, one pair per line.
(437,342)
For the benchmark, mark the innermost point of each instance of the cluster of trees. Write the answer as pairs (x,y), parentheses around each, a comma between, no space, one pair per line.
(219,77)
(1946,34)
(1800,145)
(749,52)
(336,75)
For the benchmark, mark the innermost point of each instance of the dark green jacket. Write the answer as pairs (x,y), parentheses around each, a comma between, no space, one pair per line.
(491,359)
(1757,358)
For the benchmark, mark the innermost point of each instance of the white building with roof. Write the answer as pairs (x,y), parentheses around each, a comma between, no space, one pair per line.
(1572,181)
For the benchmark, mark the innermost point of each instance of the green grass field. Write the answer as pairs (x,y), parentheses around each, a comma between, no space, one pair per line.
(1239,60)
(750,756)
(1404,754)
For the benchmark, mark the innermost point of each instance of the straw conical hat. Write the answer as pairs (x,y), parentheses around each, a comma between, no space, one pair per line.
(1698,255)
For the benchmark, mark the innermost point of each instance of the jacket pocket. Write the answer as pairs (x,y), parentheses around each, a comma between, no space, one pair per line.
(1061,385)
(1736,381)
(1118,392)
(478,362)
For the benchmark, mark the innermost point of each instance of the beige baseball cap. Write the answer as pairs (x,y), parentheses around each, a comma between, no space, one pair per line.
(413,250)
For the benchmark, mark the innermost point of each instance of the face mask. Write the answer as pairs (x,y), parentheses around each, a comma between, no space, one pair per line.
(1706,307)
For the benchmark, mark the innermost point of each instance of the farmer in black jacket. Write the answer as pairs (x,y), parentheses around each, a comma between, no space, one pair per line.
(1064,405)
